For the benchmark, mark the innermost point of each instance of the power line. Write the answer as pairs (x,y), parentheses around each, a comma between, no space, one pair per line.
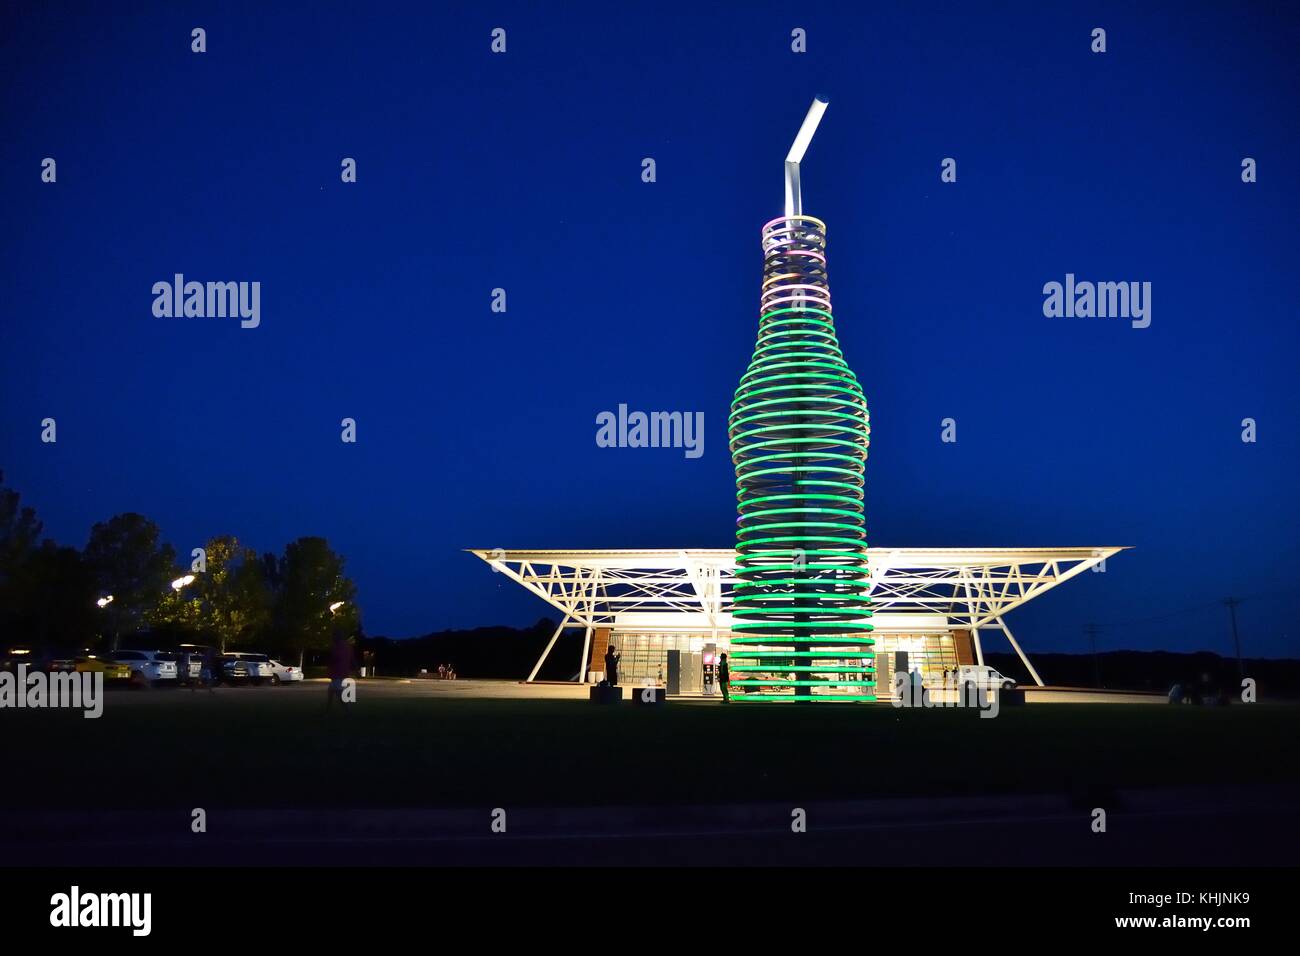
(1198,607)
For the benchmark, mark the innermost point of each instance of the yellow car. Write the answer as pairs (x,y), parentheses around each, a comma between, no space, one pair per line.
(90,665)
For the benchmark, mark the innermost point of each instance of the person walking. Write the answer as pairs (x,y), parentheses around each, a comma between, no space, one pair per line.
(724,678)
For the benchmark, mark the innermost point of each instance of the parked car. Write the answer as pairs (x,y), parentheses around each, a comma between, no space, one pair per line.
(285,673)
(151,668)
(258,665)
(233,671)
(112,670)
(184,674)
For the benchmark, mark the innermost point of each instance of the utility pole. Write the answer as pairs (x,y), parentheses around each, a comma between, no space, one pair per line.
(1232,603)
(1091,631)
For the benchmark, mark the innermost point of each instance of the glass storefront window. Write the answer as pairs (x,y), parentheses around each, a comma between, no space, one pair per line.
(644,657)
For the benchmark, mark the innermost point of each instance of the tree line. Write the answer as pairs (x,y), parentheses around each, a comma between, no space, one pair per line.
(56,598)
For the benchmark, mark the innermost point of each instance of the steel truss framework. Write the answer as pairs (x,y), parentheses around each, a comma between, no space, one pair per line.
(969,588)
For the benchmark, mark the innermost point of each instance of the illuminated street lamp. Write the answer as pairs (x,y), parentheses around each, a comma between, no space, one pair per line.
(334,608)
(182,582)
(102,603)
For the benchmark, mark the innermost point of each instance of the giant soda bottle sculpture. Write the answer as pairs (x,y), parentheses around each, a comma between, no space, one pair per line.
(798,431)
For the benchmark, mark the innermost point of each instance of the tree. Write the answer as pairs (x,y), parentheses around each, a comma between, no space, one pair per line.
(54,599)
(273,571)
(233,595)
(20,532)
(312,580)
(177,612)
(127,561)
(47,593)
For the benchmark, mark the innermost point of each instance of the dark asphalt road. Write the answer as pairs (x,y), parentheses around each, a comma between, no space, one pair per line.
(1180,827)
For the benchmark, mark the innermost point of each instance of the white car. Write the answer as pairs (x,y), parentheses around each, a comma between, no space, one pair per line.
(152,668)
(983,677)
(259,665)
(285,673)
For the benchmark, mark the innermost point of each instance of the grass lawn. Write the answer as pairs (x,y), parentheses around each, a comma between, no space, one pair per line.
(273,748)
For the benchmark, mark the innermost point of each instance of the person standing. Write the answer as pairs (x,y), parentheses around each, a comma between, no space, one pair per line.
(209,672)
(611,665)
(724,678)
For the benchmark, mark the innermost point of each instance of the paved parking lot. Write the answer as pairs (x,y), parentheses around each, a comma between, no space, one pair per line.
(282,774)
(516,690)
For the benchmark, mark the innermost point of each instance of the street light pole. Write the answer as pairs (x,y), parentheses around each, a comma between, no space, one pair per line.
(1232,603)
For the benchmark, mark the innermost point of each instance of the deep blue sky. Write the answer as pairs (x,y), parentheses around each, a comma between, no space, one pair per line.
(523,171)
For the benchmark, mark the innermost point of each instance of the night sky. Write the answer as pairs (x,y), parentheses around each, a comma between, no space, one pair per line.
(523,171)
